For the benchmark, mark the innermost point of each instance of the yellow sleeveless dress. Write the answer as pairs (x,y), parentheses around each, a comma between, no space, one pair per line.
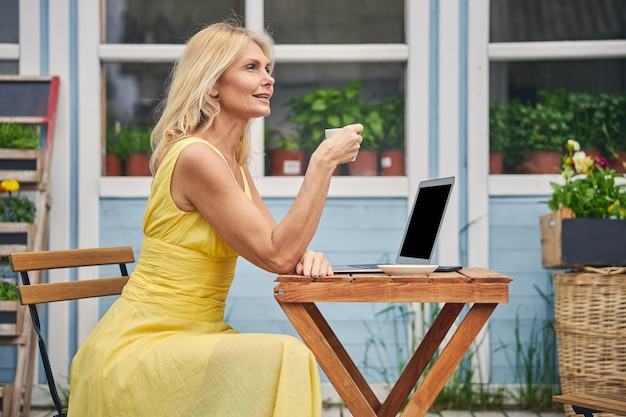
(163,348)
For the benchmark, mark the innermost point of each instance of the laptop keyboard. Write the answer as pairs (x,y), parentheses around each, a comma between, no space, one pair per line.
(364,266)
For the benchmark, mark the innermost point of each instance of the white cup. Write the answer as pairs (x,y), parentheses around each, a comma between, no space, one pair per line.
(329,132)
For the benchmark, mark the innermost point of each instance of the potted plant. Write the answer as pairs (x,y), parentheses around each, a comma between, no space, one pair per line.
(330,108)
(114,156)
(17,215)
(136,140)
(11,313)
(392,139)
(20,154)
(285,155)
(589,209)
(498,138)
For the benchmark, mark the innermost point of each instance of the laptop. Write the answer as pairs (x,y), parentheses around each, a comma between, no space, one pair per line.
(420,234)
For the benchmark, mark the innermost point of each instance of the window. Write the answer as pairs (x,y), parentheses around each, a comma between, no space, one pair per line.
(551,66)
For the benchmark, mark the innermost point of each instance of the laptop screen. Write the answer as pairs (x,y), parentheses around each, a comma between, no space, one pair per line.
(424,223)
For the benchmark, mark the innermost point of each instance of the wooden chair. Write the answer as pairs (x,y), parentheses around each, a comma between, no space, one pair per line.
(35,294)
(588,404)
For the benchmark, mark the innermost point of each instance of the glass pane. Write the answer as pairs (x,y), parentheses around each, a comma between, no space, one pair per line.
(164,21)
(9,18)
(310,98)
(9,67)
(133,92)
(331,21)
(538,106)
(557,20)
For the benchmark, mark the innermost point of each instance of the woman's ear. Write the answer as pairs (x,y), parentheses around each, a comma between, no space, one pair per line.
(214,93)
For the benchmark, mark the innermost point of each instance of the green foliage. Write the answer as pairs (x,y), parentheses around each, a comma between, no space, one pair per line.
(15,208)
(125,140)
(275,139)
(391,113)
(330,108)
(536,364)
(519,128)
(17,136)
(590,188)
(7,287)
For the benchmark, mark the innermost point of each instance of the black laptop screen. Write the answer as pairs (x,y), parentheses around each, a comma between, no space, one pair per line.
(425,220)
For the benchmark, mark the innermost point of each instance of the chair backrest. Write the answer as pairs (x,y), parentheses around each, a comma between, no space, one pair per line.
(34,294)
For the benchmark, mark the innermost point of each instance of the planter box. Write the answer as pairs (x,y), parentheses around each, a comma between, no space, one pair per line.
(11,318)
(23,165)
(16,237)
(571,242)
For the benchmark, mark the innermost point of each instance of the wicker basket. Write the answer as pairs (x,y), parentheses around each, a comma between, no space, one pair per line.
(590,312)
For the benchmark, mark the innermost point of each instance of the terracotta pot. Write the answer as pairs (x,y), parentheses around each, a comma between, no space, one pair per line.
(496,163)
(593,153)
(286,162)
(138,165)
(540,163)
(366,163)
(618,162)
(392,163)
(112,165)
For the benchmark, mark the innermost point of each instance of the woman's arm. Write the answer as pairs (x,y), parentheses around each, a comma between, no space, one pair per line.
(202,181)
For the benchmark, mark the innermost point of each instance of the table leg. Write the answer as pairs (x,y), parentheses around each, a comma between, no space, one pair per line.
(449,359)
(420,358)
(333,358)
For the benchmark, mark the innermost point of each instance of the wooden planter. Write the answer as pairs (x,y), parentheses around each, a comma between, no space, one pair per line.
(11,318)
(16,237)
(23,165)
(568,242)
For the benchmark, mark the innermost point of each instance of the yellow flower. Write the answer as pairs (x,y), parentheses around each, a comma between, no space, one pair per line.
(9,186)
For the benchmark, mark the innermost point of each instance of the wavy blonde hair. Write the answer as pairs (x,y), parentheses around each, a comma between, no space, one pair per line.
(188,103)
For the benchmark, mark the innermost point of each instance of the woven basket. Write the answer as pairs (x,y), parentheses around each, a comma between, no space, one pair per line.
(590,312)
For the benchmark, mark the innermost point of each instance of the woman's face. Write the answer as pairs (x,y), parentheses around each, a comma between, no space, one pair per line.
(246,87)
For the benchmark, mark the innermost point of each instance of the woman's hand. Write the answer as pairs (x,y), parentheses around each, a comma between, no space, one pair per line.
(341,147)
(314,264)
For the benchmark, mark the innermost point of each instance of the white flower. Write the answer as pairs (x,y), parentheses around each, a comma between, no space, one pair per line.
(572,145)
(579,159)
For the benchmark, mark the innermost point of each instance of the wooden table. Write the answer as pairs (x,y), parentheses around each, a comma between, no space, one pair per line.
(481,288)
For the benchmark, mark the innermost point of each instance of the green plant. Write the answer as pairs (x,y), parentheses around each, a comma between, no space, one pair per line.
(17,136)
(125,140)
(536,363)
(590,188)
(15,208)
(275,139)
(499,135)
(7,288)
(391,112)
(329,108)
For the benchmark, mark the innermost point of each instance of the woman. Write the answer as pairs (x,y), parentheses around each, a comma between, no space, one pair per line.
(163,348)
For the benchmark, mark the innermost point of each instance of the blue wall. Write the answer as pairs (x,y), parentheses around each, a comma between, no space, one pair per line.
(515,250)
(361,230)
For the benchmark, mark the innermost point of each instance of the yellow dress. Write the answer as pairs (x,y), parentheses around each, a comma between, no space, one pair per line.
(163,348)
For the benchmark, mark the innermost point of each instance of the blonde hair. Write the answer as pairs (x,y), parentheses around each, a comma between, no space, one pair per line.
(188,104)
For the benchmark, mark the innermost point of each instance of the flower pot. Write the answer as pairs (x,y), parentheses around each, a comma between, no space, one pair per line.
(540,163)
(23,165)
(496,163)
(366,163)
(11,318)
(392,163)
(286,162)
(138,165)
(618,162)
(16,237)
(112,165)
(568,242)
